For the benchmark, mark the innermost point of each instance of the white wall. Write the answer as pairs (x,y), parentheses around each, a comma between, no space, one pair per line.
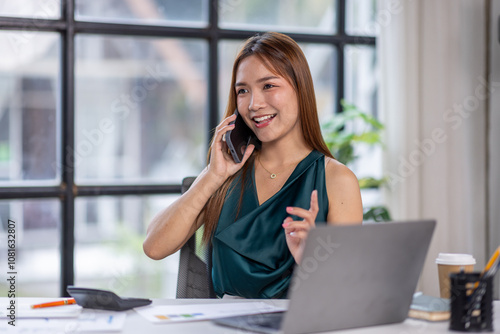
(434,98)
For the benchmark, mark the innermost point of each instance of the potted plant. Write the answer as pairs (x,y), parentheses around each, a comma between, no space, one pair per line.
(342,133)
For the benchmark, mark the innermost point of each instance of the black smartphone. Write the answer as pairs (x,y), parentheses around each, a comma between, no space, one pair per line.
(239,138)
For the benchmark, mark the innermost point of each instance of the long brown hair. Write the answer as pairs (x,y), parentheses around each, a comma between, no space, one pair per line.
(282,56)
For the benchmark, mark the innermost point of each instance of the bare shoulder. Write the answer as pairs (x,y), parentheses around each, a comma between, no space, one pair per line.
(344,196)
(339,174)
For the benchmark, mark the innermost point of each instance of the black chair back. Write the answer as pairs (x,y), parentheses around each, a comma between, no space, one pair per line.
(195,265)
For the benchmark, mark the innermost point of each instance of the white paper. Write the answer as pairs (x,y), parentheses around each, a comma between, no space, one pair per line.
(95,321)
(87,322)
(183,313)
(23,309)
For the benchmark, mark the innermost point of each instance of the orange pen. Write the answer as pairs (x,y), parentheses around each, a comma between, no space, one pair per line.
(488,270)
(55,303)
(491,261)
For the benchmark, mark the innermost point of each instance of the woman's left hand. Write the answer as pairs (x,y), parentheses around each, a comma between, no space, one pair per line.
(296,230)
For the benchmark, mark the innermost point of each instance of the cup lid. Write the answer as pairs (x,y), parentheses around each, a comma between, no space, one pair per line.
(455,259)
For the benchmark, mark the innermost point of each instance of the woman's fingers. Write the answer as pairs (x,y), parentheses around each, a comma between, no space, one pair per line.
(222,128)
(296,231)
(299,228)
(314,203)
(307,215)
(219,146)
(300,235)
(221,161)
(292,226)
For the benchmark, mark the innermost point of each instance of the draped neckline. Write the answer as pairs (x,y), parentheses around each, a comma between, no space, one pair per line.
(297,171)
(250,254)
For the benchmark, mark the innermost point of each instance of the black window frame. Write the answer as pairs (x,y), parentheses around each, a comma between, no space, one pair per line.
(67,191)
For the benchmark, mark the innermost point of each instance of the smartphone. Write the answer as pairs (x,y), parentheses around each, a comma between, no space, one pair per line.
(239,138)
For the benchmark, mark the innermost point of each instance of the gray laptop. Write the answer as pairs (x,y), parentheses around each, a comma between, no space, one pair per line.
(350,276)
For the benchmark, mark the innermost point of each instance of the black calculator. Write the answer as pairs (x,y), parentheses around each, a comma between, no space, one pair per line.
(104,300)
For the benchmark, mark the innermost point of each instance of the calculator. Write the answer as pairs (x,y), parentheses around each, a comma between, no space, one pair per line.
(104,300)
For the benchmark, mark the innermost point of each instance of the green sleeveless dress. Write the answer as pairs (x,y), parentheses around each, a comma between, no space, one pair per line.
(250,255)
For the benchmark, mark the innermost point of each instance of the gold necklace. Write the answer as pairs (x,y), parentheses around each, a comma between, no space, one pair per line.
(273,175)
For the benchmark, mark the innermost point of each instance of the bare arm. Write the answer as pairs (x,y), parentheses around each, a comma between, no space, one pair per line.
(344,197)
(173,226)
(345,207)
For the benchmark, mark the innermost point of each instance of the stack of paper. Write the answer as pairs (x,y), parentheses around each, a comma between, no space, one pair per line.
(193,312)
(63,319)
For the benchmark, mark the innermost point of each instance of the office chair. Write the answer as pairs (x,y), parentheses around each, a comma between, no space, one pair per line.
(195,265)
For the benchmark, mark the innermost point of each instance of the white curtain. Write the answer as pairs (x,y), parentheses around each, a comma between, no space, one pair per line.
(433,102)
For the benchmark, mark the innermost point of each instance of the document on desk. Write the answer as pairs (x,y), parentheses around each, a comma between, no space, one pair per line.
(24,310)
(193,312)
(90,321)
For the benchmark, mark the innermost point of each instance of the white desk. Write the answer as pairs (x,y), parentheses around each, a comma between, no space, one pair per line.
(136,324)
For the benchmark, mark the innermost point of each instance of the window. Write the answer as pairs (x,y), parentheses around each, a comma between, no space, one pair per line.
(106,105)
(135,99)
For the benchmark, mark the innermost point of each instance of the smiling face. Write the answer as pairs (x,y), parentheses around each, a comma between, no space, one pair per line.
(266,101)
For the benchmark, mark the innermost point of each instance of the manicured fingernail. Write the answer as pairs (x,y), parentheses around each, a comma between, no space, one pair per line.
(289,209)
(285,224)
(292,234)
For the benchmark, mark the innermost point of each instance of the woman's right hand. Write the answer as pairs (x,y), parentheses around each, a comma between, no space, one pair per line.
(173,226)
(222,164)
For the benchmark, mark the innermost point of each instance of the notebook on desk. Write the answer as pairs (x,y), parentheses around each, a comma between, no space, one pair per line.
(350,276)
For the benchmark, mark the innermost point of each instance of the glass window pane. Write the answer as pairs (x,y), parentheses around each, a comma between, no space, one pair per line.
(36,9)
(361,78)
(189,13)
(29,107)
(322,61)
(361,89)
(313,16)
(228,51)
(109,233)
(140,109)
(361,18)
(37,262)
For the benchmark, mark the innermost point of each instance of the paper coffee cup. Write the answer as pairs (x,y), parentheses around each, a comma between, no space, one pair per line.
(452,263)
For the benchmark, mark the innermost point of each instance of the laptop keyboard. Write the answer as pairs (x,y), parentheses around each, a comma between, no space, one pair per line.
(266,320)
(261,323)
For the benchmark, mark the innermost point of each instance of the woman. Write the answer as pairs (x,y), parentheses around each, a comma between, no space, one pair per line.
(257,213)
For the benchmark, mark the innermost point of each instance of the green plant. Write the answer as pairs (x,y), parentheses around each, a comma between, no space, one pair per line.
(342,133)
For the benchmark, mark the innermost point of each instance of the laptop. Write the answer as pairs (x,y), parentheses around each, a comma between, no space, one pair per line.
(349,277)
